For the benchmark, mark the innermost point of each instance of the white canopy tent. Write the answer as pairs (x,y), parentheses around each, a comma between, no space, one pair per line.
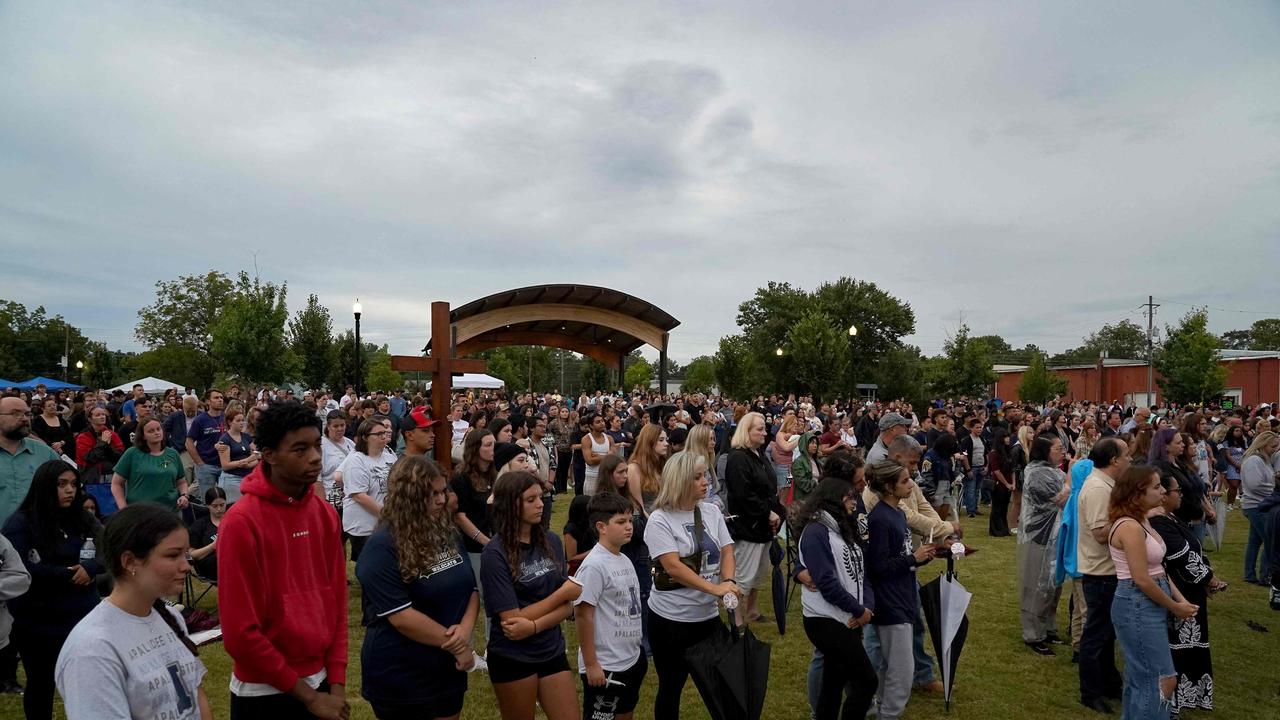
(150,385)
(476,380)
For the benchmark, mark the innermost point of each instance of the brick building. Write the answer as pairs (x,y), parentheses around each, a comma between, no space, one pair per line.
(1253,377)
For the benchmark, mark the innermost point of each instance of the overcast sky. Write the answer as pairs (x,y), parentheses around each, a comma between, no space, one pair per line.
(1035,168)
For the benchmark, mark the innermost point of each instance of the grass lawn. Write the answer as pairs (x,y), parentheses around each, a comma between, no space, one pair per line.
(998,677)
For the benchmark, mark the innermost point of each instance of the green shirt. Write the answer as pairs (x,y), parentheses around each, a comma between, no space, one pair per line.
(16,471)
(151,478)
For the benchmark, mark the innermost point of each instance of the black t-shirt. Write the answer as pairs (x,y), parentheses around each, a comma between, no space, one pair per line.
(394,668)
(51,434)
(475,505)
(203,532)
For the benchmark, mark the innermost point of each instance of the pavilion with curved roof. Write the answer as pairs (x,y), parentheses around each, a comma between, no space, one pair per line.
(600,323)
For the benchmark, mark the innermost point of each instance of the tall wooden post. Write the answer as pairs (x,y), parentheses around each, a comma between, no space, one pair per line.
(442,364)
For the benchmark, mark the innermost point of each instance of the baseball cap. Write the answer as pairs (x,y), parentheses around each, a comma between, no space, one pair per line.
(418,418)
(892,419)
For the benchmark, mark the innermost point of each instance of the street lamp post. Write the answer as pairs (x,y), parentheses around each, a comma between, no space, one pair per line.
(80,371)
(853,392)
(356,310)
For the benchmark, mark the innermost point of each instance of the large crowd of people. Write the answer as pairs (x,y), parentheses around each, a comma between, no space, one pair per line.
(108,502)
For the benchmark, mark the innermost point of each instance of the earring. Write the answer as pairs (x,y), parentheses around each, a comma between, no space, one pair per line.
(134,573)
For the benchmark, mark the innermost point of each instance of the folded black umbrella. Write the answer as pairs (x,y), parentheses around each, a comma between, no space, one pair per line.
(779,587)
(731,671)
(944,602)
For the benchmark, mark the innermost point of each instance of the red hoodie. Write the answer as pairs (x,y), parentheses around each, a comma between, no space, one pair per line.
(282,586)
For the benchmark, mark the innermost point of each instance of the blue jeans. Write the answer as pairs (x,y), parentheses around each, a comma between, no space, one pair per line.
(1142,627)
(781,472)
(972,487)
(1255,546)
(230,484)
(207,477)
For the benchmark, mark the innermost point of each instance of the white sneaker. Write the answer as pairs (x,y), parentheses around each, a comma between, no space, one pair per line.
(481,665)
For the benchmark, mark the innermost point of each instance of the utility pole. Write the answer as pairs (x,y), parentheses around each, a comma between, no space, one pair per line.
(1151,312)
(66,352)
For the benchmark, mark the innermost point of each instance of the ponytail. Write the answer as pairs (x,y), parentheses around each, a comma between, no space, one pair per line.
(167,615)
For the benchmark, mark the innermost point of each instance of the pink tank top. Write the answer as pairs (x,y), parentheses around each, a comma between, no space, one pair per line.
(1155,553)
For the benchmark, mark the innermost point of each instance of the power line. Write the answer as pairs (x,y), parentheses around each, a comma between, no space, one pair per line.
(1218,309)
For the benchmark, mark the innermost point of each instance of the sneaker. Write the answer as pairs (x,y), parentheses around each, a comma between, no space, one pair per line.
(10,687)
(481,665)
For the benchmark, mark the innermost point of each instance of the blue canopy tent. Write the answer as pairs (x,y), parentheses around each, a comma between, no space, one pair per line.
(7,384)
(49,383)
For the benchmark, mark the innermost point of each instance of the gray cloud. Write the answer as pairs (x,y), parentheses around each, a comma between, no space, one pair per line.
(1036,172)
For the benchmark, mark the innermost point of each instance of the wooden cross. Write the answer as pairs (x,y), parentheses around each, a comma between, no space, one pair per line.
(443,364)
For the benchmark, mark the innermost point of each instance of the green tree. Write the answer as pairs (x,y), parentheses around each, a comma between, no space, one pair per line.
(699,375)
(1265,335)
(594,376)
(734,366)
(1188,361)
(638,375)
(900,375)
(175,363)
(881,321)
(1040,385)
(1003,352)
(381,376)
(311,342)
(249,335)
(184,314)
(819,354)
(965,368)
(344,362)
(32,343)
(1237,340)
(1124,339)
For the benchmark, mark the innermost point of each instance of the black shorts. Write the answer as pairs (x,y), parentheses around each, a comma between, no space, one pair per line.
(440,707)
(505,670)
(607,701)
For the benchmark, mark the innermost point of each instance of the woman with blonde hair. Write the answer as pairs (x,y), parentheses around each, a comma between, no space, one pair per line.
(420,600)
(1257,483)
(644,474)
(783,447)
(689,577)
(702,440)
(753,506)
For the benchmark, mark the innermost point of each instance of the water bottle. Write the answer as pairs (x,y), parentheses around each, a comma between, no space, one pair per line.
(88,551)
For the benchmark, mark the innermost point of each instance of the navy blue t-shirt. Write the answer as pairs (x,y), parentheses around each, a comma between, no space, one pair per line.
(891,566)
(204,432)
(394,668)
(539,576)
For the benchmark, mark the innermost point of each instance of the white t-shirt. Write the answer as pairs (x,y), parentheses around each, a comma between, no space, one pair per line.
(117,665)
(672,531)
(849,438)
(460,428)
(332,454)
(363,474)
(609,584)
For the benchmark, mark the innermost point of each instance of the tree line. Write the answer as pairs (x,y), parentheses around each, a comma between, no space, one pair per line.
(212,327)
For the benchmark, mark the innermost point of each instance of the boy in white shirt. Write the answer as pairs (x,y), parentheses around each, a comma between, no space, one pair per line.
(610,660)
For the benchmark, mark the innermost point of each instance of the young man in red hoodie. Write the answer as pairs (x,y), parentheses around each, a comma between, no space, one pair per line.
(282,580)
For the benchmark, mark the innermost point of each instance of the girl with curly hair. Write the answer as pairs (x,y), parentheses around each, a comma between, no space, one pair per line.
(420,600)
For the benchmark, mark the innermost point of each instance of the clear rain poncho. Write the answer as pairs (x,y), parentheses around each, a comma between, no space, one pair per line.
(1038,532)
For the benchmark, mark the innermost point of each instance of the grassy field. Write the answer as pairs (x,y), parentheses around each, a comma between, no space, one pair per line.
(998,677)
